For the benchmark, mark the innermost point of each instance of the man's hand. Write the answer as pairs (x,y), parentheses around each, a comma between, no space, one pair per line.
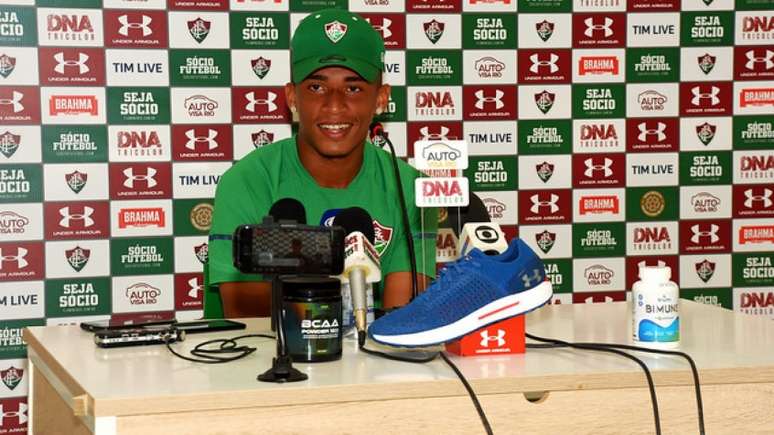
(397,288)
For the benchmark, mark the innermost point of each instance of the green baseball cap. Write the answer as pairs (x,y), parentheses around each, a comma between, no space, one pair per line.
(335,37)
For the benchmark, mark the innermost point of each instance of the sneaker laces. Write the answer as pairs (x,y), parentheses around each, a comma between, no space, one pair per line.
(452,270)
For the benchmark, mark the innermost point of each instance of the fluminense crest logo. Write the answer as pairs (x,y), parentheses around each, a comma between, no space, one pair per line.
(434,30)
(76,181)
(199,29)
(11,377)
(262,138)
(706,132)
(545,241)
(544,171)
(9,143)
(336,30)
(707,63)
(544,30)
(652,203)
(705,270)
(545,101)
(201,252)
(77,257)
(261,66)
(201,216)
(7,65)
(382,237)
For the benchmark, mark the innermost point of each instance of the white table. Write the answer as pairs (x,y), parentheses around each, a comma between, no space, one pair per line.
(77,388)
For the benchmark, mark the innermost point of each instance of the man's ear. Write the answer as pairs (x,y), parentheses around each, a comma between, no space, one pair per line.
(290,95)
(383,98)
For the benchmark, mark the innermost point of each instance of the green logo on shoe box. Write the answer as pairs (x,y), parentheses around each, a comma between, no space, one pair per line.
(652,203)
(430,67)
(147,105)
(78,297)
(599,101)
(753,270)
(545,137)
(489,31)
(705,168)
(599,240)
(200,67)
(559,272)
(652,65)
(74,143)
(487,173)
(260,30)
(144,256)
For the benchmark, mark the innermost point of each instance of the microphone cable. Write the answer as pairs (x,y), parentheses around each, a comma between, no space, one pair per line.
(227,346)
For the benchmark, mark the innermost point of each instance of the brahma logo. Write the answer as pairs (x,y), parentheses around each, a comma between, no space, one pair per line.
(433,30)
(9,143)
(598,275)
(449,192)
(756,97)
(199,106)
(70,29)
(598,136)
(705,270)
(142,294)
(77,257)
(599,204)
(12,222)
(141,217)
(495,208)
(488,67)
(652,101)
(597,30)
(7,65)
(545,241)
(199,29)
(598,65)
(138,143)
(73,105)
(756,167)
(756,234)
(705,202)
(757,29)
(72,66)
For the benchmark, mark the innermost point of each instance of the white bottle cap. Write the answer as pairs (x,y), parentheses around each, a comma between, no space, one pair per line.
(655,273)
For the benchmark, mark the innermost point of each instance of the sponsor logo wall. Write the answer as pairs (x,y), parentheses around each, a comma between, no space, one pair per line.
(607,134)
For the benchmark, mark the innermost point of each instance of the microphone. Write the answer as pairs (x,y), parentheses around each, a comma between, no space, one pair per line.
(485,236)
(361,261)
(288,210)
(475,212)
(376,129)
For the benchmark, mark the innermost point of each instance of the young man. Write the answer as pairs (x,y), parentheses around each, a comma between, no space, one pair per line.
(337,60)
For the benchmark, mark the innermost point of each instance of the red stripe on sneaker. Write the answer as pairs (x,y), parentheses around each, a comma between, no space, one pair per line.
(484,316)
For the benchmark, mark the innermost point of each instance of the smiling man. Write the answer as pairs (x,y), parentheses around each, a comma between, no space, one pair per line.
(337,60)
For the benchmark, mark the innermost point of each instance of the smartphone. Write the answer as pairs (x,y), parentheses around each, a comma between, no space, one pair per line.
(101,325)
(200,326)
(149,334)
(281,249)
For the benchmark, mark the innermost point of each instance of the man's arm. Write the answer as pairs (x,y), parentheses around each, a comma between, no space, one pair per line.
(246,299)
(397,288)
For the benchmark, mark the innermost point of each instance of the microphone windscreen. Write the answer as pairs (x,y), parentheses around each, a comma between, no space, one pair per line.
(356,219)
(288,209)
(475,212)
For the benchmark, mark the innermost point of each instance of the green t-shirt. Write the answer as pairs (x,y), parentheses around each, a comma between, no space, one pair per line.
(247,191)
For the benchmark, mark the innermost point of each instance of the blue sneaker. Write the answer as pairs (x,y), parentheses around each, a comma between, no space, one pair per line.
(470,293)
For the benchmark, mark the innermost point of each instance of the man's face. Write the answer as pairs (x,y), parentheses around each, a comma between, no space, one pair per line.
(335,107)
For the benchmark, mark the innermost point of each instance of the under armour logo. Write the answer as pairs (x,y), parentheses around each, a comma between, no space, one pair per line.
(538,63)
(537,203)
(126,25)
(486,338)
(68,217)
(383,27)
(19,258)
(194,288)
(20,414)
(432,135)
(209,139)
(699,233)
(14,101)
(592,27)
(591,166)
(147,177)
(645,131)
(767,59)
(482,99)
(751,197)
(62,63)
(698,95)
(536,276)
(252,101)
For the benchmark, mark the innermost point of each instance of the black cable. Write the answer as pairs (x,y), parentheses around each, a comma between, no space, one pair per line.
(598,347)
(227,346)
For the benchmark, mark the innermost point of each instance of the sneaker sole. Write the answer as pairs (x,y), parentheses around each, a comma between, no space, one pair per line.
(503,308)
